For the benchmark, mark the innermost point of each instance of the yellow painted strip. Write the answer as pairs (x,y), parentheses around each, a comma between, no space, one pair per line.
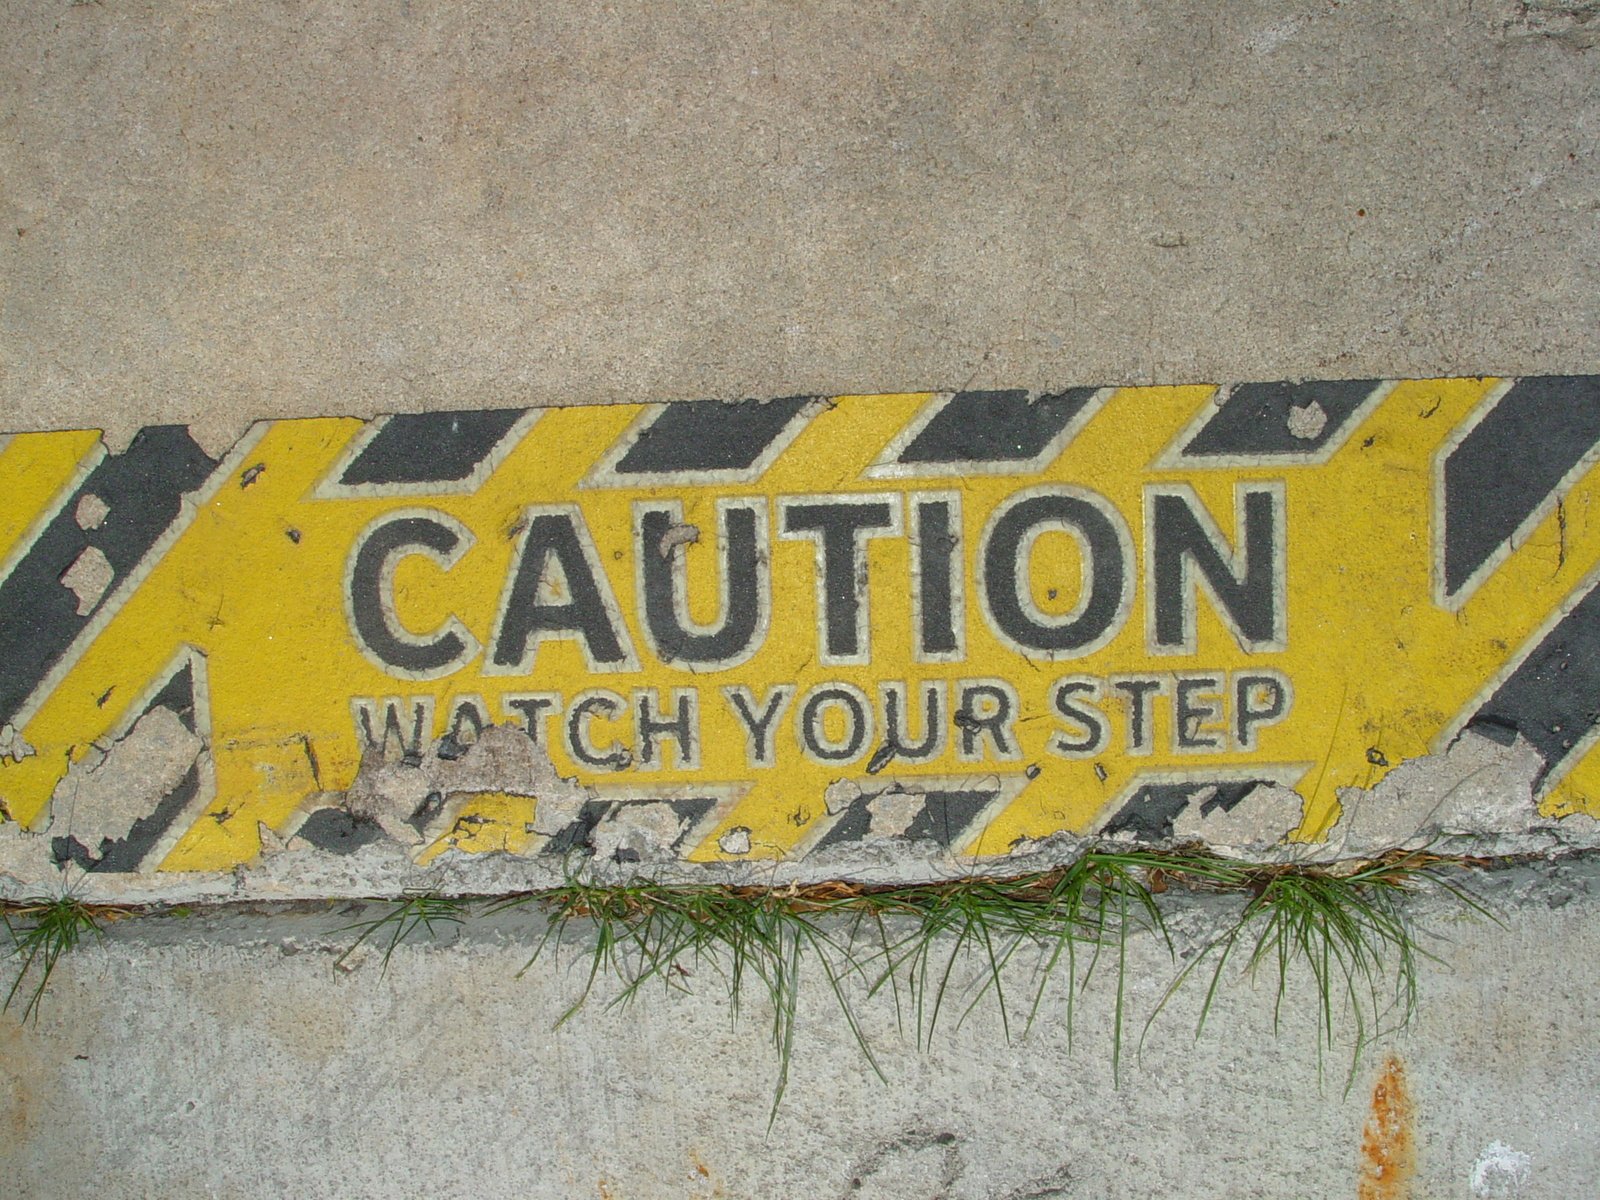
(1105,597)
(34,468)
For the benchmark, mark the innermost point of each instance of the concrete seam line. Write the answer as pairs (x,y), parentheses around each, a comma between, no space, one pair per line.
(1345,923)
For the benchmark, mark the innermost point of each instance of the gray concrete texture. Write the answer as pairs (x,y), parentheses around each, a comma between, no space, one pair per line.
(228,1056)
(214,213)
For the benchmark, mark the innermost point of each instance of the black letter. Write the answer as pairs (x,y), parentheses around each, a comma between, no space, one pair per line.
(811,731)
(663,584)
(524,617)
(1247,587)
(369,595)
(896,737)
(1188,714)
(1139,704)
(1106,574)
(938,596)
(994,721)
(1246,716)
(1090,719)
(607,703)
(840,530)
(680,729)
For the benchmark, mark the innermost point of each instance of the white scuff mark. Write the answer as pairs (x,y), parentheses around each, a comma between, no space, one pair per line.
(893,811)
(1307,421)
(104,793)
(1500,1171)
(13,746)
(840,795)
(638,832)
(1257,824)
(1265,41)
(91,511)
(88,578)
(735,841)
(677,535)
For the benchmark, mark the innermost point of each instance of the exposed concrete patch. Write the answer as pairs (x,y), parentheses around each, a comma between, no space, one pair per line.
(675,536)
(88,578)
(1253,828)
(105,792)
(91,511)
(892,813)
(1475,798)
(24,860)
(638,833)
(1307,421)
(840,795)
(390,791)
(13,746)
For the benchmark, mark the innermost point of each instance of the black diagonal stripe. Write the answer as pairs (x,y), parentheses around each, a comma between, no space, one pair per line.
(578,834)
(1151,812)
(1552,698)
(943,817)
(709,435)
(994,427)
(438,447)
(336,831)
(1255,418)
(143,488)
(574,836)
(1511,463)
(852,826)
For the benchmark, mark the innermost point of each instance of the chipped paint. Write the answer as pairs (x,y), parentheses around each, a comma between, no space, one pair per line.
(969,622)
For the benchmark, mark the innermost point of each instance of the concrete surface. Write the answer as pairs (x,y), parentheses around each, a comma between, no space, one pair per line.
(221,212)
(214,213)
(227,1056)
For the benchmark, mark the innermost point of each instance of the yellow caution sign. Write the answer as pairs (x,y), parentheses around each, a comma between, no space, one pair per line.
(791,624)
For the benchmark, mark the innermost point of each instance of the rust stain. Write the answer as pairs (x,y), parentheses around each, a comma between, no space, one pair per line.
(21,1079)
(706,1178)
(1388,1148)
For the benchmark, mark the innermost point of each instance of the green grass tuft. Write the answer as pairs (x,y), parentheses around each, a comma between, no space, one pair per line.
(414,911)
(41,932)
(1071,923)
(1348,927)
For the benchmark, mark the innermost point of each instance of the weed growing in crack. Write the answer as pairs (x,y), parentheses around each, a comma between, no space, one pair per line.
(1347,926)
(41,931)
(643,933)
(416,910)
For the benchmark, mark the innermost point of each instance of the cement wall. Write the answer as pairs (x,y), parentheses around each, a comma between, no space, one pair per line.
(313,208)
(228,1056)
(214,214)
